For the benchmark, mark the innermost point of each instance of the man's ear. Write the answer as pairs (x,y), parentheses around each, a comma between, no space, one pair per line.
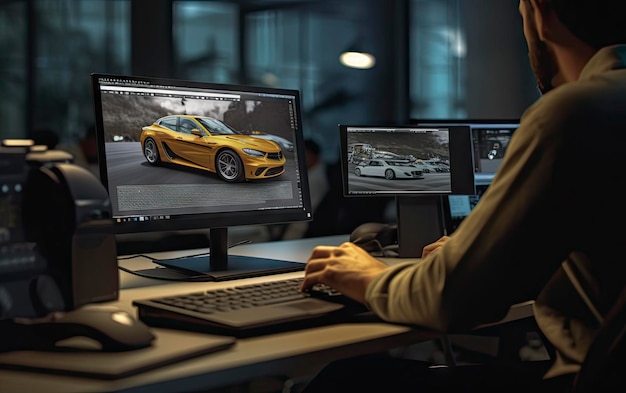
(544,16)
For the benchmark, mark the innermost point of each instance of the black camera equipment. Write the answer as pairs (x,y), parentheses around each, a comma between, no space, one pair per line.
(57,247)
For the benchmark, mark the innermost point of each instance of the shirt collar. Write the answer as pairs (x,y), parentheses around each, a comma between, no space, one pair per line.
(606,59)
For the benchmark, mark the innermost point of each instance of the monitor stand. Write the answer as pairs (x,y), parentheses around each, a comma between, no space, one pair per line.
(420,222)
(220,266)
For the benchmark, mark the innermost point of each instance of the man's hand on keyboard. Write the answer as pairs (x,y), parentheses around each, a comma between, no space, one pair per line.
(432,247)
(347,268)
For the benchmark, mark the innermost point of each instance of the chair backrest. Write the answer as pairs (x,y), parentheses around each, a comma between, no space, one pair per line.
(603,369)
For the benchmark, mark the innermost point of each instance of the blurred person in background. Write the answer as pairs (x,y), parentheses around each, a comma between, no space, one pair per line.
(318,186)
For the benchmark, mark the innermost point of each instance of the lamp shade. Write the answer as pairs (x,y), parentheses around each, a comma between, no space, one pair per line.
(355,56)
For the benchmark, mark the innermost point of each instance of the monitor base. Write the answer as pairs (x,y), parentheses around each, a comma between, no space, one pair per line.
(199,268)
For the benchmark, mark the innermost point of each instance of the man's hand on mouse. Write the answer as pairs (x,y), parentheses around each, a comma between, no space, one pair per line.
(347,268)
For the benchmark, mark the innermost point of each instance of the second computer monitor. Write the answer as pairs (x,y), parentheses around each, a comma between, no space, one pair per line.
(490,140)
(417,165)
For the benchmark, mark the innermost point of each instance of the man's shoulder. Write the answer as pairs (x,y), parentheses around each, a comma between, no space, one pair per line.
(579,104)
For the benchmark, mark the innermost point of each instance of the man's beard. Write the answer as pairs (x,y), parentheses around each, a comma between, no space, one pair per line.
(543,64)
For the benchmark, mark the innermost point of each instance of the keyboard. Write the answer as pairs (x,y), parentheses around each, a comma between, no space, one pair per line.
(250,310)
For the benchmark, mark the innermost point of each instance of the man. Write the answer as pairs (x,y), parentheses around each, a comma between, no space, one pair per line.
(547,204)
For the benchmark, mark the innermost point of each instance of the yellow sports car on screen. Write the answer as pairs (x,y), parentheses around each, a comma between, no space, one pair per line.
(210,144)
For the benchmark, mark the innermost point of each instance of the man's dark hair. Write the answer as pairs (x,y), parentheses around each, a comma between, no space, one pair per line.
(598,23)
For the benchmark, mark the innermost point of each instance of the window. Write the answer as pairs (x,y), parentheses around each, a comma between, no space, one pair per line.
(13,69)
(74,38)
(206,41)
(437,60)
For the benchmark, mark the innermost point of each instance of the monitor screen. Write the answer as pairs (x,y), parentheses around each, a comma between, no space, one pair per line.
(490,139)
(457,207)
(178,155)
(415,164)
(406,160)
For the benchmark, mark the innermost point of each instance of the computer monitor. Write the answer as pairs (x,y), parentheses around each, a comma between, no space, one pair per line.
(178,155)
(490,140)
(415,164)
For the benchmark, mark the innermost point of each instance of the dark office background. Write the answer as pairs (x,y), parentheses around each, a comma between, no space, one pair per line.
(435,58)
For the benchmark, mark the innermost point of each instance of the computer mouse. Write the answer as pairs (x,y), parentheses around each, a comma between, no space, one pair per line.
(112,328)
(375,236)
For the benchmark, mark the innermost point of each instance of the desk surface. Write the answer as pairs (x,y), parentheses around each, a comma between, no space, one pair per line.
(277,354)
(289,250)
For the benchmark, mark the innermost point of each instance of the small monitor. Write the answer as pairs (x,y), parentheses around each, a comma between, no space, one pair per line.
(417,165)
(490,140)
(178,155)
(457,207)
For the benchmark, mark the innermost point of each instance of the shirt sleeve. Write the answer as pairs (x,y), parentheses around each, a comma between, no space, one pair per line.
(491,261)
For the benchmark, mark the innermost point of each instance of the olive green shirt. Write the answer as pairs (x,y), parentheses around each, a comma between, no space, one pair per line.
(558,191)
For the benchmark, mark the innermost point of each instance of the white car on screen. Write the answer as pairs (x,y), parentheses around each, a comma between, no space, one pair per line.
(426,167)
(389,169)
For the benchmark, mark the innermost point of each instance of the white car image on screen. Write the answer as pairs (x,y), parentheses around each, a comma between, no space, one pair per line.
(426,167)
(389,169)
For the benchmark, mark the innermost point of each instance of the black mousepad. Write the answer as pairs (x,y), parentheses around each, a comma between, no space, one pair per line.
(169,347)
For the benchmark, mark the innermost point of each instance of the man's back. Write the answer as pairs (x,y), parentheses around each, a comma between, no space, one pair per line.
(591,119)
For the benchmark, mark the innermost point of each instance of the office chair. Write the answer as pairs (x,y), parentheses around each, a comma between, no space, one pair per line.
(603,368)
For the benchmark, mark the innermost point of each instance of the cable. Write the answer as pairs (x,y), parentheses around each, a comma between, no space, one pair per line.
(201,277)
(141,273)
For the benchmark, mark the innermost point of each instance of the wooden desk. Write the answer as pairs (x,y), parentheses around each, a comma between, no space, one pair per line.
(283,354)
